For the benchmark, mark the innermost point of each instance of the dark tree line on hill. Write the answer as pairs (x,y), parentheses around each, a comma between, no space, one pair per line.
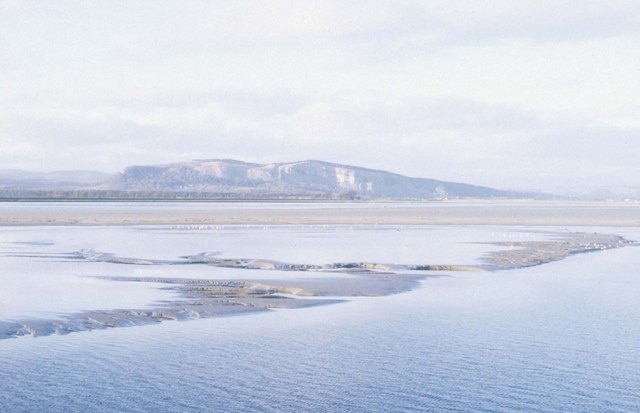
(18,195)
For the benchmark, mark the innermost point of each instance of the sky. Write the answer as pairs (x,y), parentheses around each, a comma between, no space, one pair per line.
(511,94)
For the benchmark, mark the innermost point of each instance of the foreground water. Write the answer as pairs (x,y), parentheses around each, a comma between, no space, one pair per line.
(564,336)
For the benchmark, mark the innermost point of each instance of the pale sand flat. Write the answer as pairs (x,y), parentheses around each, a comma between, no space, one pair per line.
(543,213)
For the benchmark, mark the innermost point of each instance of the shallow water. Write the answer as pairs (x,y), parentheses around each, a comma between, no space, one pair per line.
(38,280)
(558,337)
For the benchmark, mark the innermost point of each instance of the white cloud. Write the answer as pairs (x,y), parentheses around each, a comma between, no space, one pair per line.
(495,92)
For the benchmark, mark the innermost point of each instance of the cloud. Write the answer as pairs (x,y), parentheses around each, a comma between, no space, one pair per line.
(500,93)
(453,139)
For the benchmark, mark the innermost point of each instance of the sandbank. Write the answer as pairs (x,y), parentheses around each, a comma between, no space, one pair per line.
(534,213)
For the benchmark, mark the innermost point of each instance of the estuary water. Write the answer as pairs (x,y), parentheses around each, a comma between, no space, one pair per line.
(563,336)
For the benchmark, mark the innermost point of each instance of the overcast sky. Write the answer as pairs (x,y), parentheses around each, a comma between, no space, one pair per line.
(512,94)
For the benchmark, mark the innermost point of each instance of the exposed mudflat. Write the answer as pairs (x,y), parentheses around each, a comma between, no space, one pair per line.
(505,212)
(530,253)
(199,298)
(205,298)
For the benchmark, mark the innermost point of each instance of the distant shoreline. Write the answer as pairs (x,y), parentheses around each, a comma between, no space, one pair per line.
(467,212)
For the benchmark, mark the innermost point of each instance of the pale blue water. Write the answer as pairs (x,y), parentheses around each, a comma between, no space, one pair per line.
(559,337)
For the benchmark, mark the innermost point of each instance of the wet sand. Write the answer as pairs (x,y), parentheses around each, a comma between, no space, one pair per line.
(539,213)
(213,298)
(203,298)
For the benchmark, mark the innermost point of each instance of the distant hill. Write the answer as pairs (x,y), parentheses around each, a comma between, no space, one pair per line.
(15,179)
(303,179)
(231,179)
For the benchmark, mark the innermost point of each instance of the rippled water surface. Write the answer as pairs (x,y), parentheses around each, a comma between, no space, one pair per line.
(563,336)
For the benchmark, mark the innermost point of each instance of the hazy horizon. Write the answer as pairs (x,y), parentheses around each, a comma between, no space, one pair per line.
(535,96)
